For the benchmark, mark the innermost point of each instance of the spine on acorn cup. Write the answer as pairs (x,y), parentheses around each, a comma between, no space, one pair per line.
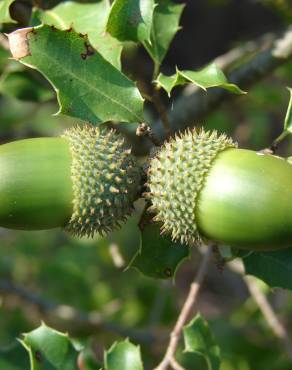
(201,186)
(84,181)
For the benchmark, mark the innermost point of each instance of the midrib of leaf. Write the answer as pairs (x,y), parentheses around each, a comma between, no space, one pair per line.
(86,83)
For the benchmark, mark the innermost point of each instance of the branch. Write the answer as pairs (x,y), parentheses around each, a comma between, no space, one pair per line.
(267,310)
(184,314)
(194,105)
(72,319)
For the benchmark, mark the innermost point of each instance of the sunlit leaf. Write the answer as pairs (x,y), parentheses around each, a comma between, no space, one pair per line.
(131,20)
(87,19)
(210,76)
(50,350)
(159,256)
(4,11)
(274,268)
(87,86)
(199,339)
(164,27)
(123,356)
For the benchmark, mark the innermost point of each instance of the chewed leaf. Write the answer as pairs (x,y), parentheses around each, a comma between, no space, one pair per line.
(210,76)
(87,86)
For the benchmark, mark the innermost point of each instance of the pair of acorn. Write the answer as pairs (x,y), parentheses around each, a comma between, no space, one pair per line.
(199,186)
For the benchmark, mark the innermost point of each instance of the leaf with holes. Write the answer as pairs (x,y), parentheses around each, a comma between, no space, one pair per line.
(123,356)
(87,19)
(131,20)
(159,257)
(198,339)
(210,76)
(87,86)
(50,350)
(5,11)
(164,27)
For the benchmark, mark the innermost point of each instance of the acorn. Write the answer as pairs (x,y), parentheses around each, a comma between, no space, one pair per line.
(202,187)
(85,181)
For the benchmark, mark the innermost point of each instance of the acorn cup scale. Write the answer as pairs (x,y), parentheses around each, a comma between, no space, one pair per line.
(203,188)
(85,181)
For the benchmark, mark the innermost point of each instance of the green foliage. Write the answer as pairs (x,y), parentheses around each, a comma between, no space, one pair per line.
(123,356)
(274,268)
(164,27)
(210,76)
(87,19)
(103,91)
(288,117)
(5,16)
(199,339)
(50,350)
(159,257)
(131,20)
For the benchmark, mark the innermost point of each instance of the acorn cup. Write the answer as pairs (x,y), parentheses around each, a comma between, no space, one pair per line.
(202,187)
(85,181)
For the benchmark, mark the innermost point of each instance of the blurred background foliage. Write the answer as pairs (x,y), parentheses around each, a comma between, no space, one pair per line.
(41,270)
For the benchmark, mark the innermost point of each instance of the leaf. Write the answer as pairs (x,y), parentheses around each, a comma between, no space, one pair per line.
(164,27)
(131,20)
(123,356)
(210,76)
(199,339)
(87,86)
(87,19)
(4,11)
(274,268)
(159,257)
(21,86)
(288,118)
(50,350)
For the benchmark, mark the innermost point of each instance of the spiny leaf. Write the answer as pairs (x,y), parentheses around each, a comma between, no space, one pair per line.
(87,86)
(131,20)
(50,350)
(274,268)
(164,27)
(5,12)
(159,257)
(87,19)
(199,339)
(123,356)
(210,76)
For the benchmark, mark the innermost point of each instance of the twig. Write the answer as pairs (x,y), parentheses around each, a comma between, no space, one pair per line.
(161,109)
(191,108)
(267,310)
(185,313)
(73,319)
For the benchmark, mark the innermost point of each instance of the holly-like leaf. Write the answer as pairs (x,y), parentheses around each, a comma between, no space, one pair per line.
(199,339)
(274,268)
(164,27)
(288,118)
(5,12)
(123,356)
(50,350)
(131,20)
(87,86)
(159,257)
(87,19)
(210,76)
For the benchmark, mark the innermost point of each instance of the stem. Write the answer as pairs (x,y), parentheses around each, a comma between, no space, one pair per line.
(185,313)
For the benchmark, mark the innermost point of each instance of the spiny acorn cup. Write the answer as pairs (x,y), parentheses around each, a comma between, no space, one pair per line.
(85,181)
(202,187)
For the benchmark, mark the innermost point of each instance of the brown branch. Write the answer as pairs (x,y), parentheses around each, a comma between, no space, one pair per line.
(192,107)
(267,310)
(169,357)
(73,320)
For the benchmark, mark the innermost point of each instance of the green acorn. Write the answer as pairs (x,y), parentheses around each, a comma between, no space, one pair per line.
(85,181)
(202,187)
